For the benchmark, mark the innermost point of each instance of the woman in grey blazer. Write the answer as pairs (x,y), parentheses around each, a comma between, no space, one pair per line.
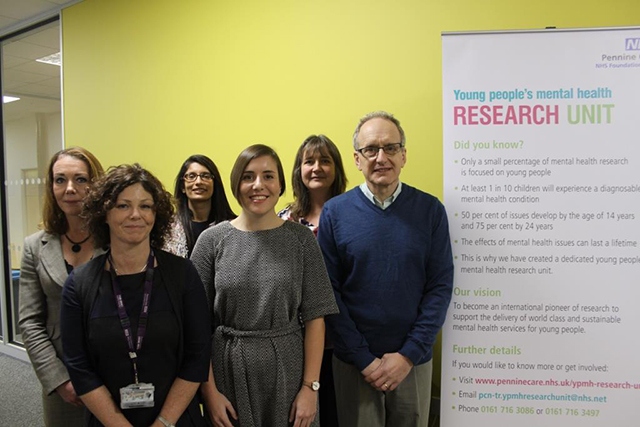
(48,257)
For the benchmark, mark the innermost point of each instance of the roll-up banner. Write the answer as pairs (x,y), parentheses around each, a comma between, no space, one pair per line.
(542,189)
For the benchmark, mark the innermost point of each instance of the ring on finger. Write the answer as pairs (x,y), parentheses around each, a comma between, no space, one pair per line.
(385,385)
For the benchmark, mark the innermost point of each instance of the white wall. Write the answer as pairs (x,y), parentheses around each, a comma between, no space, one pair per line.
(24,139)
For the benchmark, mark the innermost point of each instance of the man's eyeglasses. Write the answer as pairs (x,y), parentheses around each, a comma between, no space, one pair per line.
(190,177)
(371,151)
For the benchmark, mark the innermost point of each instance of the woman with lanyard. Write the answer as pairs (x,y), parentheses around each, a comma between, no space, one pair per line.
(135,324)
(47,259)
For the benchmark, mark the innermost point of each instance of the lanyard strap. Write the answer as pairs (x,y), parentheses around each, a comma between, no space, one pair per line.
(125,322)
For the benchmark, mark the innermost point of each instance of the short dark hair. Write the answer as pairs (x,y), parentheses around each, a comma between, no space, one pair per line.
(220,209)
(103,195)
(244,158)
(54,220)
(378,115)
(315,144)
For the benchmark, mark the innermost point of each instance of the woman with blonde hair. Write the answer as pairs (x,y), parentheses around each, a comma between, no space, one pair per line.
(47,259)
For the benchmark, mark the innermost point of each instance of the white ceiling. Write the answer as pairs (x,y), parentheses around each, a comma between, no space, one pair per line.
(16,14)
(36,84)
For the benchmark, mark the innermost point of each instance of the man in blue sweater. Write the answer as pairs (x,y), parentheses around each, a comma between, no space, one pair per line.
(387,249)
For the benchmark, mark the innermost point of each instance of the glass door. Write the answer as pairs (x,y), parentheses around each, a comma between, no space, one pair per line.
(32,133)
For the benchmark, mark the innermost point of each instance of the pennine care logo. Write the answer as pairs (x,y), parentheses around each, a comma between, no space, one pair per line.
(632,43)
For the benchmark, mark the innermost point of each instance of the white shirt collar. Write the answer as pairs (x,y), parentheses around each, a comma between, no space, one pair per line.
(381,204)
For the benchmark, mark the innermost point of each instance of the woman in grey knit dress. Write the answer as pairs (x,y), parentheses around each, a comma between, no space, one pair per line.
(265,279)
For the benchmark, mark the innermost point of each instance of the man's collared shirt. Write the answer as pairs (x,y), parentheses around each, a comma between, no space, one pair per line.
(381,204)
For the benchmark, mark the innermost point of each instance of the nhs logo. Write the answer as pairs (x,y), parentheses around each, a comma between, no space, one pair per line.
(632,44)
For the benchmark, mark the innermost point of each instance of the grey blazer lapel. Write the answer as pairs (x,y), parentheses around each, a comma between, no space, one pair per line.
(52,259)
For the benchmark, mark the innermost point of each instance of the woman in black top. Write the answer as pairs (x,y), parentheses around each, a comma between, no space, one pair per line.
(135,291)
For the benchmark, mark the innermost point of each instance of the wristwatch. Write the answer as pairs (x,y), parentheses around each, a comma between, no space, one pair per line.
(313,385)
(165,422)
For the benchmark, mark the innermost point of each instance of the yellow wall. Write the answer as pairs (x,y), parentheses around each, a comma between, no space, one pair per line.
(154,81)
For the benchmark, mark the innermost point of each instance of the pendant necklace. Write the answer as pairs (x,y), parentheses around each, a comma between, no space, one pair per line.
(77,246)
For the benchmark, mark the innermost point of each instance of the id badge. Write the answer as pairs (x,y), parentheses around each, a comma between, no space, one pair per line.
(137,396)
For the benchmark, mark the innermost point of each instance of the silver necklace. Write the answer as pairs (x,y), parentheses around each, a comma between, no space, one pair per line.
(144,267)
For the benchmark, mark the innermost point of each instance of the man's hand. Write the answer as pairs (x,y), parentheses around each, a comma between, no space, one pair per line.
(68,394)
(371,368)
(392,370)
